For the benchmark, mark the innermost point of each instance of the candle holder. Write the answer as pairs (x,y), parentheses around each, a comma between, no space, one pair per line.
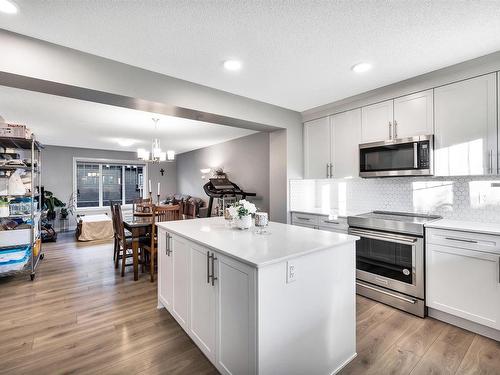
(158,199)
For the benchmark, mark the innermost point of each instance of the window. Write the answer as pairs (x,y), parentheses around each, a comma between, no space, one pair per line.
(99,183)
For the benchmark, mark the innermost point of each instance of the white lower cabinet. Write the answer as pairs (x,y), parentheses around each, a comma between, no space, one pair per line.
(202,302)
(213,298)
(165,284)
(321,222)
(463,275)
(180,283)
(236,306)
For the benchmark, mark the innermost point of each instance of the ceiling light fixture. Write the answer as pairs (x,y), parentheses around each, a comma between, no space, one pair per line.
(8,6)
(157,155)
(232,65)
(361,67)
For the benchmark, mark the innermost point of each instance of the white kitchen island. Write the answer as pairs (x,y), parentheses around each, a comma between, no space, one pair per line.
(275,303)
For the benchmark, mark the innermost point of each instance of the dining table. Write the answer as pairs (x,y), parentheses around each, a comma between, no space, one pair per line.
(138,226)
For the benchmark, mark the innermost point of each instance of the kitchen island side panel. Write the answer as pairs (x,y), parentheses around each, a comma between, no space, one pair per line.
(308,326)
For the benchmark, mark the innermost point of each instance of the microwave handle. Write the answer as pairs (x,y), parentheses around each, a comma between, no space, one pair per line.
(415,155)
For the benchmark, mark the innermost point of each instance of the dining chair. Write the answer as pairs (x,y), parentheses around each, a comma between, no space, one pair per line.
(124,241)
(160,213)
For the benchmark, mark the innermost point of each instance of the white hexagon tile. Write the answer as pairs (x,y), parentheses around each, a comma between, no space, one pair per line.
(459,198)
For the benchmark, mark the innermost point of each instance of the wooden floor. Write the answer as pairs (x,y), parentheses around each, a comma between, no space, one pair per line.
(80,316)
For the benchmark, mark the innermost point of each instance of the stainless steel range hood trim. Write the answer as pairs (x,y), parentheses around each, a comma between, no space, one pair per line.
(398,141)
(401,173)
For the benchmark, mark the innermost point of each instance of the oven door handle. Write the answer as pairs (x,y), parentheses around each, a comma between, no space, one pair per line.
(409,300)
(384,237)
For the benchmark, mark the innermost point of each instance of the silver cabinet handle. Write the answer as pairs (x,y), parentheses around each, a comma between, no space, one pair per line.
(460,240)
(390,130)
(167,245)
(303,218)
(208,267)
(415,155)
(331,170)
(213,258)
(331,222)
(395,129)
(327,170)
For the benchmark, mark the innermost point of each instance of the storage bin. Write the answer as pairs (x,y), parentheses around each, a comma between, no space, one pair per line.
(15,131)
(15,237)
(14,259)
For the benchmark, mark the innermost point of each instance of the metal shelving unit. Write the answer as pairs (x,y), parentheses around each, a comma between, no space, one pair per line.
(34,148)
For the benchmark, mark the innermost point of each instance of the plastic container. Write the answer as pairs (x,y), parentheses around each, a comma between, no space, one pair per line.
(14,258)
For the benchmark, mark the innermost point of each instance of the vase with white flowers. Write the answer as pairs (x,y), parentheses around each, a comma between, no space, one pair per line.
(241,212)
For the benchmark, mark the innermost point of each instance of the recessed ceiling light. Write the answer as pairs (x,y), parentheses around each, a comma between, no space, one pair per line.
(8,6)
(361,67)
(232,65)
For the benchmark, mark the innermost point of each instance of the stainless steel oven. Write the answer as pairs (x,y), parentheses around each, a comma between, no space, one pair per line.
(390,258)
(411,156)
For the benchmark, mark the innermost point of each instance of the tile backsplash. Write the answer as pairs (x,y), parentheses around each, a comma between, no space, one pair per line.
(459,198)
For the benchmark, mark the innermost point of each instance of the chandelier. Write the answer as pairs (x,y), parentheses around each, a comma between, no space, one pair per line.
(157,155)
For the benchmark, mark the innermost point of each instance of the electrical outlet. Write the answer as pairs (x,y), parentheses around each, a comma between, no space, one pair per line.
(291,272)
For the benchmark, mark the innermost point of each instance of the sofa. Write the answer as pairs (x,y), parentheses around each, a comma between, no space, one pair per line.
(190,206)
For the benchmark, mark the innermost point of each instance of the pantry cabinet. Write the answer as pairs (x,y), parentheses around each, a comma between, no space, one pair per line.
(466,127)
(317,148)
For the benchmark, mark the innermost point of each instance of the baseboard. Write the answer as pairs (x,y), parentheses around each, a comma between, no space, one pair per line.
(464,323)
(344,364)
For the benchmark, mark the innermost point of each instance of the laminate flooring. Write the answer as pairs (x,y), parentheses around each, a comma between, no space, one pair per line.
(80,317)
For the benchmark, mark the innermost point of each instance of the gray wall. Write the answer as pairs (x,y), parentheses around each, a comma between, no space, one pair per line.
(57,171)
(245,160)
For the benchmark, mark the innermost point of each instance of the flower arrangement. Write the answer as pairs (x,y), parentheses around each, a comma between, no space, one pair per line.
(241,209)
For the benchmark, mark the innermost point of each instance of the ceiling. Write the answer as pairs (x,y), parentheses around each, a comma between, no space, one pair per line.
(75,123)
(296,53)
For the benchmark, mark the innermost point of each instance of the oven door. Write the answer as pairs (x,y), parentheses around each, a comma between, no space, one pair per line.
(390,260)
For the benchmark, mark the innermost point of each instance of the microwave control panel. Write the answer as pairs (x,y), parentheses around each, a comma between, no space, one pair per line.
(423,155)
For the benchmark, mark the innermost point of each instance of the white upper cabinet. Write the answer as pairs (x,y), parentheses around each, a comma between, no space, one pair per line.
(317,148)
(414,115)
(377,122)
(466,127)
(346,137)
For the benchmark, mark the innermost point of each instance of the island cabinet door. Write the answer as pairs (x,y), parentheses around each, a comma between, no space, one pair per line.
(236,316)
(165,271)
(202,304)
(180,253)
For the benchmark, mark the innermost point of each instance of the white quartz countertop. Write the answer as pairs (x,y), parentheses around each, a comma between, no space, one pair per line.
(322,212)
(281,242)
(466,226)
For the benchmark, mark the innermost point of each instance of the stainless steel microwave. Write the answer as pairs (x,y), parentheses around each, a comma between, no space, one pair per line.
(413,156)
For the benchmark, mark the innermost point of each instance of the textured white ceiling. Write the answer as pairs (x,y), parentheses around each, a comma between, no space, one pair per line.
(68,122)
(296,53)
